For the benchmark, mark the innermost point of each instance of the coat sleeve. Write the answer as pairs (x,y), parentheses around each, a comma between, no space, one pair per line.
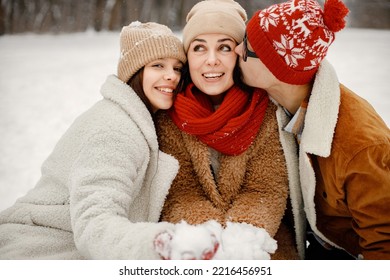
(103,185)
(263,196)
(368,199)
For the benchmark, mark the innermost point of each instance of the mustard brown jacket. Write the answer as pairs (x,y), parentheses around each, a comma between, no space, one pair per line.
(344,164)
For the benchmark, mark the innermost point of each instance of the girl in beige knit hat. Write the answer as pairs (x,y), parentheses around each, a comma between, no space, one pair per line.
(225,136)
(103,187)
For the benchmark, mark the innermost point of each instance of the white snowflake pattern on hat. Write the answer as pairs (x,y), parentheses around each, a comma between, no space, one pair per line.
(298,31)
(286,48)
(268,17)
(298,21)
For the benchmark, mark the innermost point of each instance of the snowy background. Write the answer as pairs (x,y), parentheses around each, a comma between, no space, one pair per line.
(46,81)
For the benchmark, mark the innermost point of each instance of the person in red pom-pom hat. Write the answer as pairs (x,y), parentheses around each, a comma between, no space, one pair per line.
(344,145)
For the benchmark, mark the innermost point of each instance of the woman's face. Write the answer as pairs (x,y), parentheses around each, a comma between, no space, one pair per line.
(211,60)
(160,79)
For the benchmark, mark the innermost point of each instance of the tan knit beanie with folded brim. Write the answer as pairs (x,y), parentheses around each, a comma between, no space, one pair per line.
(141,43)
(215,16)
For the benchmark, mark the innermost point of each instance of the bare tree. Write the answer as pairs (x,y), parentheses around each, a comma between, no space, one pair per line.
(2,20)
(99,14)
(115,13)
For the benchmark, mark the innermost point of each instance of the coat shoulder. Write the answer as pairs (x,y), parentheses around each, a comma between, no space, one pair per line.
(268,134)
(359,126)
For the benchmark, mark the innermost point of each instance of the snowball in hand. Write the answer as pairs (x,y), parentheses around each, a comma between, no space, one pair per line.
(192,242)
(188,242)
(238,241)
(242,241)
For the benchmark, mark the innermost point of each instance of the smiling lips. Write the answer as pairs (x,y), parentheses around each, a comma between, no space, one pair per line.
(165,90)
(213,75)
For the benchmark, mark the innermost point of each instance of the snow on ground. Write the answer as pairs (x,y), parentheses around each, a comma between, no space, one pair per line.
(46,81)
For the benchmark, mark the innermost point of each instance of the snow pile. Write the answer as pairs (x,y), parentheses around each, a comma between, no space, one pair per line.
(135,24)
(238,241)
(242,241)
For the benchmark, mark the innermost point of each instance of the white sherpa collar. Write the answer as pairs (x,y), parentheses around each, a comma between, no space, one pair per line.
(322,112)
(122,94)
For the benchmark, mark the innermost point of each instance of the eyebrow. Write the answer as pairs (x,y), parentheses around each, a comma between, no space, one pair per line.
(219,41)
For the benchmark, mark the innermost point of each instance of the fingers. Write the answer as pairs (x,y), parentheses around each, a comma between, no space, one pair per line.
(162,244)
(210,253)
(188,242)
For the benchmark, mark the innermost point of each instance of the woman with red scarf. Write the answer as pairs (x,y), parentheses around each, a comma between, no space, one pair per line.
(225,137)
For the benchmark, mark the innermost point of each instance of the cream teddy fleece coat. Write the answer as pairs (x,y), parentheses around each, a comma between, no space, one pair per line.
(101,191)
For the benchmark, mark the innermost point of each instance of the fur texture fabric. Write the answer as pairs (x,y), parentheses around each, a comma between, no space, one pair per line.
(101,191)
(251,187)
(344,159)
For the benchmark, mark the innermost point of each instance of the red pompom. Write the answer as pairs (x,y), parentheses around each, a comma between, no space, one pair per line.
(334,14)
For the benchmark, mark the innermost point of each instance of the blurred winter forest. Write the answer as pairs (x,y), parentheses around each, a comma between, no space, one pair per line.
(65,16)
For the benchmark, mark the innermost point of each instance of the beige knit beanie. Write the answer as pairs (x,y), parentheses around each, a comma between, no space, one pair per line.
(215,16)
(141,43)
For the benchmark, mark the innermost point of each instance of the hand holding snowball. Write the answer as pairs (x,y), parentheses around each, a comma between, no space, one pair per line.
(187,242)
(210,241)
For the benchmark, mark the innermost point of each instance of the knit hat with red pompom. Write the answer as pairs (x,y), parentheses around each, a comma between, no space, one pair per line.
(292,38)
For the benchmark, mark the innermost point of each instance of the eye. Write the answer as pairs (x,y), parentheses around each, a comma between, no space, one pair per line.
(178,69)
(157,65)
(199,48)
(225,48)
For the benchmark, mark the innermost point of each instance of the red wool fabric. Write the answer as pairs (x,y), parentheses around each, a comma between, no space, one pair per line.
(292,38)
(231,128)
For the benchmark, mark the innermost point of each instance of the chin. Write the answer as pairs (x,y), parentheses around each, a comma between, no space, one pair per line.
(166,107)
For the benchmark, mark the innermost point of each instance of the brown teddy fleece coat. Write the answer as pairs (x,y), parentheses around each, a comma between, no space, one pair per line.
(251,187)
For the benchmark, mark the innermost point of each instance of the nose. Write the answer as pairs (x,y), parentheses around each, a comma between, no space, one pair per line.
(171,75)
(212,58)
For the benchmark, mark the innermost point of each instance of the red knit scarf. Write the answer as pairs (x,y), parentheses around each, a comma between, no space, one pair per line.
(231,128)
